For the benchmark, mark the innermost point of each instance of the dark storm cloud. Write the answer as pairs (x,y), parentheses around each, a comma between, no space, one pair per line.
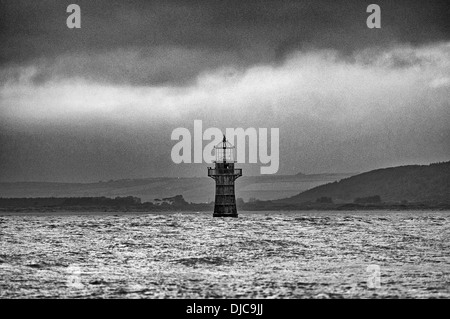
(101,102)
(163,42)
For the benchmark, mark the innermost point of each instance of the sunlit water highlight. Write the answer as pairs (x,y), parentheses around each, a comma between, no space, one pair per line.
(259,255)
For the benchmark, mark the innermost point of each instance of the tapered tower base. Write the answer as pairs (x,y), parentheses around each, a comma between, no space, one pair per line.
(225,174)
(226,215)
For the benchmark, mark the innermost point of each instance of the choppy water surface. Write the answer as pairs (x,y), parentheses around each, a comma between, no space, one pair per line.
(259,255)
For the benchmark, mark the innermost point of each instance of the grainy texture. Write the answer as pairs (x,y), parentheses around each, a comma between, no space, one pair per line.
(267,255)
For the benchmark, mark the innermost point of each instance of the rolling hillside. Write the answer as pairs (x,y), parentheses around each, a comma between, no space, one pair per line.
(197,190)
(416,183)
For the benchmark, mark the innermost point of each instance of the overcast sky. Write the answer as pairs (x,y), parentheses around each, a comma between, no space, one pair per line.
(100,102)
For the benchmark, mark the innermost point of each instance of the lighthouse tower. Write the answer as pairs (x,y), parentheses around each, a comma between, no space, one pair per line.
(224,174)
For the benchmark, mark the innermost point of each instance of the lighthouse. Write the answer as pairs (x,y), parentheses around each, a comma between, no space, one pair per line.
(224,174)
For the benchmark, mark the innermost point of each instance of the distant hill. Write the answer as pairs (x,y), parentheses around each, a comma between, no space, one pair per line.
(197,190)
(416,183)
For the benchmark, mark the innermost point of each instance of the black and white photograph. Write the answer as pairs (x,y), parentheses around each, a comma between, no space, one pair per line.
(224,152)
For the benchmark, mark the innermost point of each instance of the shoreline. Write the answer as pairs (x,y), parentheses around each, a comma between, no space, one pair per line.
(4,213)
(177,204)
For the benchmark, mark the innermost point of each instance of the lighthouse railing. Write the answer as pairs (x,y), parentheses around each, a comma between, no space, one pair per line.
(217,172)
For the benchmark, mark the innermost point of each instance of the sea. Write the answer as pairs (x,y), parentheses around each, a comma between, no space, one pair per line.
(381,254)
